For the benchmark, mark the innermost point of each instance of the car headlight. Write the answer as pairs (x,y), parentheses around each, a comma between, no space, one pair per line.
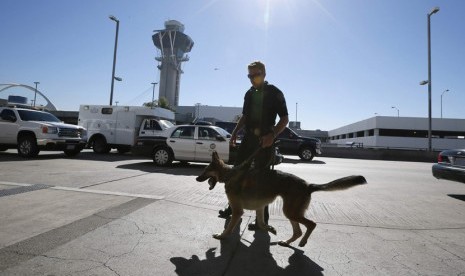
(49,130)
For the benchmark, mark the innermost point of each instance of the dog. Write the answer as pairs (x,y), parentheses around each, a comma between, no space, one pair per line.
(253,190)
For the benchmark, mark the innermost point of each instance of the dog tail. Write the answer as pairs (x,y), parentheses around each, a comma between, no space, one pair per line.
(339,184)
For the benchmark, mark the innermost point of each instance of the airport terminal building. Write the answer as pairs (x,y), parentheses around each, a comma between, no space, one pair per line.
(401,133)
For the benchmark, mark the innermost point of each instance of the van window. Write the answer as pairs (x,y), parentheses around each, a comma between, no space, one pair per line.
(152,125)
(107,110)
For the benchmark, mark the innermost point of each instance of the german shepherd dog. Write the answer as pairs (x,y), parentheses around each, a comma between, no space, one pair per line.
(253,190)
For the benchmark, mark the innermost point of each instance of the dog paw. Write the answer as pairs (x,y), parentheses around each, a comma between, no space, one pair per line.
(219,236)
(302,243)
(271,229)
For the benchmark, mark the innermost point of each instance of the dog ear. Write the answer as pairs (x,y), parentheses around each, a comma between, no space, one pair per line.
(215,157)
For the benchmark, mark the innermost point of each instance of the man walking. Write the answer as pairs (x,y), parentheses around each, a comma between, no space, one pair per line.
(262,103)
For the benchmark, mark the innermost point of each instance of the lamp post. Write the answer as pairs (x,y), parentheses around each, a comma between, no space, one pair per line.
(114,58)
(296,115)
(429,115)
(153,93)
(447,90)
(397,110)
(433,11)
(35,92)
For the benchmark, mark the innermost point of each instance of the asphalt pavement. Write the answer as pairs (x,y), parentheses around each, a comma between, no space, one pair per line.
(119,215)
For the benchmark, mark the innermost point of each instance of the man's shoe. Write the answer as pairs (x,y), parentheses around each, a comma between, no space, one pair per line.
(226,213)
(253,226)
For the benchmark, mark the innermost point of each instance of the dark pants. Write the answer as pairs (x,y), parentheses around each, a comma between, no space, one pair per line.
(262,162)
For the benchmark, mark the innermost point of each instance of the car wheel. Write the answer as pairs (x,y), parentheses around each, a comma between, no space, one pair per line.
(27,146)
(162,156)
(71,153)
(306,154)
(100,145)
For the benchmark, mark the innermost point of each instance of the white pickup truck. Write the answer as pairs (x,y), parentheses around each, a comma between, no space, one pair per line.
(31,131)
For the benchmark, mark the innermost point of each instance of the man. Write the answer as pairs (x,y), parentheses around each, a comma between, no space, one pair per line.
(262,103)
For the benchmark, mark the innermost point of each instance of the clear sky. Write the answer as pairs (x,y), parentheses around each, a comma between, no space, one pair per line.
(341,60)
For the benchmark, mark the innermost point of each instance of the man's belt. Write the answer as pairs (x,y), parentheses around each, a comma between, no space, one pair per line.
(257,131)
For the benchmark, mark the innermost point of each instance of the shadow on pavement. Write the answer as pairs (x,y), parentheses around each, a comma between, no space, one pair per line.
(176,168)
(459,197)
(298,161)
(85,155)
(235,258)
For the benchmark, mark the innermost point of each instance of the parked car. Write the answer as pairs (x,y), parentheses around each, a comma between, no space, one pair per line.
(451,165)
(186,143)
(31,131)
(292,143)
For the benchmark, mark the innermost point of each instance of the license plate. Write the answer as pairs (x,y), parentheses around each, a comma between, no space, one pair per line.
(69,147)
(459,162)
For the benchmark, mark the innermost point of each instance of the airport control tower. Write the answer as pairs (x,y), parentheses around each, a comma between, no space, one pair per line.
(173,45)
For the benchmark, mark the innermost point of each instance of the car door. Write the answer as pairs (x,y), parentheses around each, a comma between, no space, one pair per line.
(287,141)
(207,141)
(182,143)
(8,127)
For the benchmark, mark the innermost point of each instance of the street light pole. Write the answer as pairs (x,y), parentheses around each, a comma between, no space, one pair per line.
(35,93)
(397,110)
(153,93)
(296,115)
(433,11)
(447,90)
(114,58)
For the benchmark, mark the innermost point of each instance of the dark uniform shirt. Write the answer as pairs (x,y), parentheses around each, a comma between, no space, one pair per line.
(262,106)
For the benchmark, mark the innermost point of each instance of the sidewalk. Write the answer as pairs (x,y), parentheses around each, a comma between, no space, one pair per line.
(64,232)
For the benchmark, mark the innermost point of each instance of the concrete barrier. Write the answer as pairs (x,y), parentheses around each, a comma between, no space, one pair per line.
(381,154)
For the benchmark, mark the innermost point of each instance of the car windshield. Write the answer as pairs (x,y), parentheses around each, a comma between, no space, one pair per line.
(30,115)
(222,132)
(164,124)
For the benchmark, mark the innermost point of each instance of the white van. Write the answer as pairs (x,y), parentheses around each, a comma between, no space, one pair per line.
(118,126)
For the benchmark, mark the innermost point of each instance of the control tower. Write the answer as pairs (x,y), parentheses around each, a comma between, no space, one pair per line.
(173,45)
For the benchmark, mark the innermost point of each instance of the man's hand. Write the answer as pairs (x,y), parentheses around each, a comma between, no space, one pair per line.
(232,141)
(267,140)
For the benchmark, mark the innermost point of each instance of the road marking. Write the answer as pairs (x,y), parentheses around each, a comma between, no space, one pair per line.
(30,187)
(25,250)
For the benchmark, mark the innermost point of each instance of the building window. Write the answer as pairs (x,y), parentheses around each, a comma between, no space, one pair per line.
(371,132)
(361,134)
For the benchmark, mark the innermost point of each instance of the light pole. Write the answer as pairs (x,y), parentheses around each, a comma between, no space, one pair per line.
(35,92)
(397,110)
(433,11)
(296,115)
(153,93)
(114,58)
(447,90)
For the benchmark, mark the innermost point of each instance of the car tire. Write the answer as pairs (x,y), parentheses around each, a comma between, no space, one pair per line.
(27,146)
(71,153)
(162,156)
(100,145)
(3,148)
(306,154)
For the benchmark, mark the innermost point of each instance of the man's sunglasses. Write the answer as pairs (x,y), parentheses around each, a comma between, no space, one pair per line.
(251,76)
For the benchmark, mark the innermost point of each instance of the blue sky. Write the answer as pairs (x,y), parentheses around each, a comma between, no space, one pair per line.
(341,60)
